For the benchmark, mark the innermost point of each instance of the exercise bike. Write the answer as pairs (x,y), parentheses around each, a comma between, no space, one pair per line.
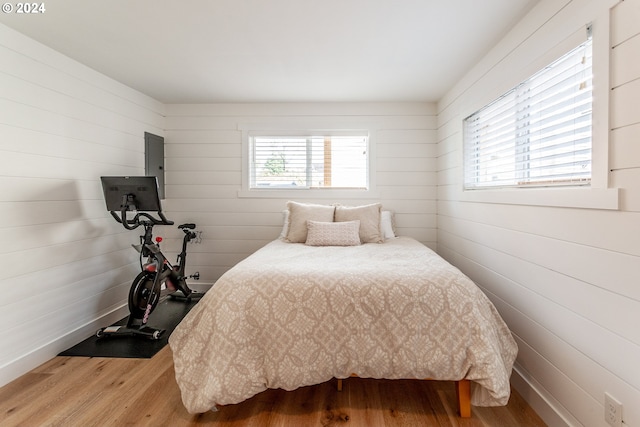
(156,270)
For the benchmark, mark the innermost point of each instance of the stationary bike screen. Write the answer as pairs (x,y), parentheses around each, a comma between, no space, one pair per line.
(135,192)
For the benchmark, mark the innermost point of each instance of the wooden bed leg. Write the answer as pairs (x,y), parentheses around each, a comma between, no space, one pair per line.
(463,391)
(339,384)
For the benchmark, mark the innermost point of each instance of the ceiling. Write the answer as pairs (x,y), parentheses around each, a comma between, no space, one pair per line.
(207,51)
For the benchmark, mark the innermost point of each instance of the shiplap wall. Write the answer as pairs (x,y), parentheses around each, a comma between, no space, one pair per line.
(66,264)
(566,280)
(203,149)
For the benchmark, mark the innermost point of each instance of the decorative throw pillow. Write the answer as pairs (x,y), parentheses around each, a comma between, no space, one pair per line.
(369,217)
(333,233)
(300,213)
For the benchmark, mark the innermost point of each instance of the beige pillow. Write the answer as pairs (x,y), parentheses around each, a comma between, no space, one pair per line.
(345,233)
(369,217)
(300,213)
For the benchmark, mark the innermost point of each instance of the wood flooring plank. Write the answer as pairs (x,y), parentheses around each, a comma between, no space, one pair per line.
(363,401)
(128,383)
(449,400)
(86,392)
(84,402)
(298,407)
(398,403)
(337,408)
(51,398)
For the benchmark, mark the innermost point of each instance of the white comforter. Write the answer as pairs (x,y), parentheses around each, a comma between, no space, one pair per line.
(291,315)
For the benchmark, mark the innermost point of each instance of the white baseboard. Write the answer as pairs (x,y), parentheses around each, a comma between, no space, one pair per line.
(37,357)
(545,405)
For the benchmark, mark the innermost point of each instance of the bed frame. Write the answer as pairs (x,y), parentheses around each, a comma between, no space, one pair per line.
(463,394)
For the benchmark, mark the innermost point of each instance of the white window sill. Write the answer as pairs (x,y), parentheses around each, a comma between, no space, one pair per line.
(583,198)
(306,193)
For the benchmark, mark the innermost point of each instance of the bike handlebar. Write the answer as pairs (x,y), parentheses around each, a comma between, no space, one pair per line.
(122,219)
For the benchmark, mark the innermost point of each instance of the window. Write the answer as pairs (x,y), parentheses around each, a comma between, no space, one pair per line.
(537,134)
(308,161)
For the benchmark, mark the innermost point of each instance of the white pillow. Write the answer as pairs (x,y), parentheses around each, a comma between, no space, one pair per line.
(285,224)
(386,225)
(346,233)
(300,213)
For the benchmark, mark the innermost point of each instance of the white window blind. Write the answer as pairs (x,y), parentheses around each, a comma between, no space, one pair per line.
(538,133)
(325,161)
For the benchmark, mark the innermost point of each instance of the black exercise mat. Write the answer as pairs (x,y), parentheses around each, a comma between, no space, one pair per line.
(167,314)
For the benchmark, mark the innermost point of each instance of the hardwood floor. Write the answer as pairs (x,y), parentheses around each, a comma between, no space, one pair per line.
(83,392)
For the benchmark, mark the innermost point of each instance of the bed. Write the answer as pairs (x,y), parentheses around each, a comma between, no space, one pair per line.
(296,313)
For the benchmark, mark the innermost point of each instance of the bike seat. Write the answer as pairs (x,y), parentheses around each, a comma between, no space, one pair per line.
(189,225)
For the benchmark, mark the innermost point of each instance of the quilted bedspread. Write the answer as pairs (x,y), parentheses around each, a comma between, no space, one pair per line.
(292,315)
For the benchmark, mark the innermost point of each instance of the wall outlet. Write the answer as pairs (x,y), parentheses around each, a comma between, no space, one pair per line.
(612,411)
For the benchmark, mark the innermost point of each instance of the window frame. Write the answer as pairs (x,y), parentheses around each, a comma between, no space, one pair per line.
(596,196)
(291,128)
(307,140)
(517,126)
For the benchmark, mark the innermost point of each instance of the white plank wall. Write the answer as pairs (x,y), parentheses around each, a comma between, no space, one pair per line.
(566,280)
(67,265)
(625,102)
(203,146)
